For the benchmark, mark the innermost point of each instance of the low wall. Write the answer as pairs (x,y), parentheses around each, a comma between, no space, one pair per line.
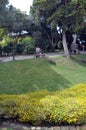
(17,126)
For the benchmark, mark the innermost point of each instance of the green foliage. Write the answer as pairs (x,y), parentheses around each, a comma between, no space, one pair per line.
(3,12)
(67,106)
(14,20)
(6,45)
(19,48)
(59,44)
(6,40)
(3,33)
(29,44)
(62,12)
(7,49)
(26,40)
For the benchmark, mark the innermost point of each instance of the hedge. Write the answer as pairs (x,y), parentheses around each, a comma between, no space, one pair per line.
(66,106)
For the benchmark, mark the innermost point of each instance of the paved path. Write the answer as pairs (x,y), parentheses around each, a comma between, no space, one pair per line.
(10,58)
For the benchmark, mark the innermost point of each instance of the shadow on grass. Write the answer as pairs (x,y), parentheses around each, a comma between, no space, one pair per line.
(80,59)
(51,81)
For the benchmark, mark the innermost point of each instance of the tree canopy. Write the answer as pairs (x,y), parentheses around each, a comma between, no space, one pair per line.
(3,11)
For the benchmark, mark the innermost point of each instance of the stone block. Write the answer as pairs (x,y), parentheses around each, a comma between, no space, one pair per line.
(3,128)
(72,128)
(44,128)
(77,128)
(64,128)
(38,128)
(56,128)
(32,128)
(83,127)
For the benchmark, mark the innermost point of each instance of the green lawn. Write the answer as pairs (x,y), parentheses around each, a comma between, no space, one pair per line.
(35,74)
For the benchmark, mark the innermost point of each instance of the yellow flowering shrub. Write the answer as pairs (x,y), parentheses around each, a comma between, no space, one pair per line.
(30,108)
(61,107)
(8,105)
(73,105)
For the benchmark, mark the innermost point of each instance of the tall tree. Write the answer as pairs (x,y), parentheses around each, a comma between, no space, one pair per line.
(14,23)
(48,32)
(63,13)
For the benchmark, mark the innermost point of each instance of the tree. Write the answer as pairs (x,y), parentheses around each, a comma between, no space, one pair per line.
(67,14)
(3,12)
(47,32)
(29,25)
(14,24)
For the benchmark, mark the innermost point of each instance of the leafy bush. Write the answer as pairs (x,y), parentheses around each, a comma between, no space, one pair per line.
(29,44)
(26,40)
(59,44)
(8,105)
(6,40)
(61,107)
(6,45)
(19,48)
(7,49)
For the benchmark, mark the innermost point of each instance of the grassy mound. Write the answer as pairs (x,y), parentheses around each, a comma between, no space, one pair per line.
(38,74)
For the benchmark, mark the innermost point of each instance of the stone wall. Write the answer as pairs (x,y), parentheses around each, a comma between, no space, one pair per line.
(16,126)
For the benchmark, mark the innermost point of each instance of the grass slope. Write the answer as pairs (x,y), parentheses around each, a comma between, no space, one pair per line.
(36,74)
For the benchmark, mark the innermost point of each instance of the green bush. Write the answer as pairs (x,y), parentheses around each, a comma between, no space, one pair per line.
(61,107)
(29,45)
(19,48)
(7,49)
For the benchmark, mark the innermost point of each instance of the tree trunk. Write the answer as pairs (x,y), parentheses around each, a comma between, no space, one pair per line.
(50,40)
(66,51)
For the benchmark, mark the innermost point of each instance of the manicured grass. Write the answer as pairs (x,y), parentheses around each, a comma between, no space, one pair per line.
(36,74)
